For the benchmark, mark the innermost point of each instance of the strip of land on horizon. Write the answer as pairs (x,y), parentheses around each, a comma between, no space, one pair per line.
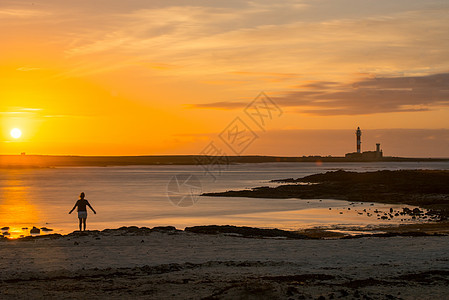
(43,161)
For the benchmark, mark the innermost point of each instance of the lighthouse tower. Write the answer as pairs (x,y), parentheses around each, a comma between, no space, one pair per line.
(358,133)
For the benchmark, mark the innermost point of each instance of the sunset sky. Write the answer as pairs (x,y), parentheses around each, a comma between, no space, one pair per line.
(141,77)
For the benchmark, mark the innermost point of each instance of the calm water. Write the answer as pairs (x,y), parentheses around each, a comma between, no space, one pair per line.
(137,195)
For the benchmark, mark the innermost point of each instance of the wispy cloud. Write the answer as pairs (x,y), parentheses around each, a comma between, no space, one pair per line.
(27,69)
(64,116)
(220,105)
(11,112)
(318,38)
(208,40)
(366,96)
(22,13)
(31,109)
(21,110)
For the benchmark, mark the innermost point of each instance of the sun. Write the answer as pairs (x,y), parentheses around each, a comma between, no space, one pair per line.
(16,133)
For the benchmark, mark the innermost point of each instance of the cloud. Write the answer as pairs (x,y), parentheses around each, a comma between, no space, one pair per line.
(366,96)
(220,105)
(27,69)
(11,112)
(21,111)
(32,109)
(248,39)
(325,40)
(64,116)
(373,95)
(22,13)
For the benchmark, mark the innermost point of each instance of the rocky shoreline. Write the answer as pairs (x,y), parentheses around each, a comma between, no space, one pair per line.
(409,230)
(428,189)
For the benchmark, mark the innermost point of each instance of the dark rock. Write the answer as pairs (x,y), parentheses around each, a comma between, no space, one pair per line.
(35,230)
(416,211)
(134,230)
(245,231)
(165,228)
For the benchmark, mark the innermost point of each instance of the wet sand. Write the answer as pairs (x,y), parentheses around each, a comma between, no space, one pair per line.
(167,263)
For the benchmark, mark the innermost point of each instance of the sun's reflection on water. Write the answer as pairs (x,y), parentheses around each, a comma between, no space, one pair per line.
(17,214)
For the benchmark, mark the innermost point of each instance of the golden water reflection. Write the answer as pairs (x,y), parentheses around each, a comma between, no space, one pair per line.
(16,211)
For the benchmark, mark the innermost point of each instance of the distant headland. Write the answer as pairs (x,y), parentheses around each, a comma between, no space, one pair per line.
(48,161)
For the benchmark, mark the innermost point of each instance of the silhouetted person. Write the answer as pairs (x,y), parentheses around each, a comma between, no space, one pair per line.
(82,210)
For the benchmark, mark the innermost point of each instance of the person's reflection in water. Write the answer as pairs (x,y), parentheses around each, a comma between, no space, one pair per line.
(82,210)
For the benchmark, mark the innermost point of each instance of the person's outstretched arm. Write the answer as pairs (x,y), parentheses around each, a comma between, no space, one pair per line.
(88,204)
(73,207)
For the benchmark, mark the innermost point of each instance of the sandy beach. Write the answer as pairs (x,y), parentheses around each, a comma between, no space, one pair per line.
(397,261)
(162,264)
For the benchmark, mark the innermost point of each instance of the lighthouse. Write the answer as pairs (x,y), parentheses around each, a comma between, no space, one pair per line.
(358,133)
(367,155)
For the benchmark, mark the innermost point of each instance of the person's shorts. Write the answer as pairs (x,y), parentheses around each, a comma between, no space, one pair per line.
(82,214)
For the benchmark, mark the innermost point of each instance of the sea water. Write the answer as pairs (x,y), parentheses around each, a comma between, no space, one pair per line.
(142,196)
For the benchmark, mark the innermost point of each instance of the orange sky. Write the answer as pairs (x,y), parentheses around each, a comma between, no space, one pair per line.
(156,77)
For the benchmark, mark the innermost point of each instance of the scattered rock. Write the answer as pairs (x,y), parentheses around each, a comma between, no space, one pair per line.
(35,230)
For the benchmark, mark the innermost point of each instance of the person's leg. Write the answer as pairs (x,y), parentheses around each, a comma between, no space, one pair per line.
(80,222)
(84,222)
